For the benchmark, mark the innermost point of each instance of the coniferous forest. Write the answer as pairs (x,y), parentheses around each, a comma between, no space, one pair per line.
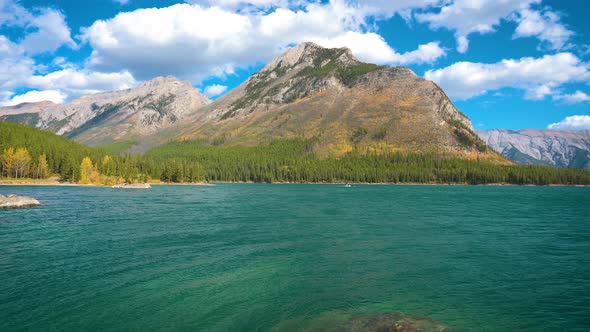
(31,153)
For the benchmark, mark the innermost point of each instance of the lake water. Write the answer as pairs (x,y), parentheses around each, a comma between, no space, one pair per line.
(245,257)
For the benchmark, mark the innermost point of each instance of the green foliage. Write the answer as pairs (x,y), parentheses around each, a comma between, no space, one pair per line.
(62,155)
(380,135)
(329,57)
(117,147)
(279,161)
(358,135)
(349,75)
(64,158)
(107,111)
(30,119)
(294,161)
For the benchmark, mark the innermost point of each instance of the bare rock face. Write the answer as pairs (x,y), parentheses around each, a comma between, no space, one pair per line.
(16,202)
(26,108)
(154,105)
(25,113)
(541,147)
(329,95)
(121,115)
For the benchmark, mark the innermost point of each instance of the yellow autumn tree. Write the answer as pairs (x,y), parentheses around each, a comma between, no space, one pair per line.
(86,169)
(107,166)
(7,161)
(22,162)
(43,167)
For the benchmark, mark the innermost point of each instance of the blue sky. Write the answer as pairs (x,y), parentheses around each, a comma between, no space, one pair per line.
(505,63)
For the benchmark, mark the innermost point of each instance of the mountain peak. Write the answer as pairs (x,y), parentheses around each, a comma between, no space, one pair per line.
(308,53)
(164,81)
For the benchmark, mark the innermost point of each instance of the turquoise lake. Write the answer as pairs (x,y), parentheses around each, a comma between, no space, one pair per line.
(262,257)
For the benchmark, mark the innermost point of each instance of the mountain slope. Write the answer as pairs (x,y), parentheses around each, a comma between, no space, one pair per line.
(120,115)
(25,113)
(541,147)
(328,95)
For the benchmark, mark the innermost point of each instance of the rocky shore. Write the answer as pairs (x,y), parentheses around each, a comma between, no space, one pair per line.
(132,186)
(16,202)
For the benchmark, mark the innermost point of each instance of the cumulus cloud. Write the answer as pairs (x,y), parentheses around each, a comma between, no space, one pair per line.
(539,77)
(194,42)
(14,65)
(465,17)
(545,26)
(46,28)
(371,47)
(574,122)
(76,82)
(240,3)
(215,90)
(55,96)
(574,98)
(386,8)
(52,32)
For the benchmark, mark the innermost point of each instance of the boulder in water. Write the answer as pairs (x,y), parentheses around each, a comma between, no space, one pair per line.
(132,186)
(390,322)
(16,202)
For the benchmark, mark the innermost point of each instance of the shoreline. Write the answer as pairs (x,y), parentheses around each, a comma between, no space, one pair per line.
(68,184)
(4,183)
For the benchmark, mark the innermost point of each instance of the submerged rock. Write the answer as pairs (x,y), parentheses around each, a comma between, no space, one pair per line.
(132,186)
(16,202)
(390,322)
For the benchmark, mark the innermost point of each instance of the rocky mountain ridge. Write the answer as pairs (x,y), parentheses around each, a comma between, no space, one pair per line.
(541,146)
(309,92)
(121,115)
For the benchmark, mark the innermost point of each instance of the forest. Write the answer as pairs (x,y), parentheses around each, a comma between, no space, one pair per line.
(31,153)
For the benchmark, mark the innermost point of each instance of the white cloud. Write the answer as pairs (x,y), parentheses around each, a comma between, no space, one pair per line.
(468,16)
(574,122)
(52,32)
(77,82)
(240,3)
(45,28)
(386,8)
(545,26)
(574,98)
(371,47)
(215,90)
(14,65)
(55,96)
(193,42)
(537,76)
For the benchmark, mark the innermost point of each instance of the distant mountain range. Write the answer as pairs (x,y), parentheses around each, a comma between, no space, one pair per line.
(309,92)
(541,147)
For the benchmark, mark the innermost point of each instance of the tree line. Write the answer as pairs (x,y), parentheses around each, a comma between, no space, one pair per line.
(29,152)
(295,161)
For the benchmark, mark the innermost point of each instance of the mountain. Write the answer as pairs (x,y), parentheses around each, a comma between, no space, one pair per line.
(328,95)
(120,115)
(25,113)
(541,147)
(309,93)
